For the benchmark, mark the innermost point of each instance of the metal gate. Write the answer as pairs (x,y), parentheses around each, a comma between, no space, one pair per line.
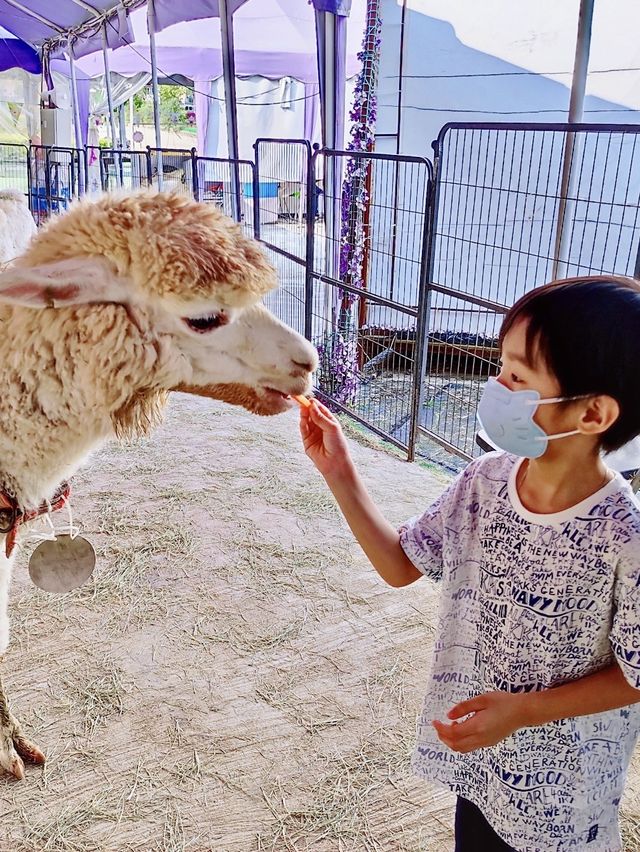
(515,205)
(56,177)
(283,183)
(347,232)
(229,184)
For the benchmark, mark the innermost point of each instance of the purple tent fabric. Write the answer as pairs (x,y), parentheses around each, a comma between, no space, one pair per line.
(62,15)
(273,38)
(14,53)
(336,7)
(170,12)
(52,19)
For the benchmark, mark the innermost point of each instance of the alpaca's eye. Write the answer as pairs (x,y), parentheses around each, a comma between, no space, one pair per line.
(206,323)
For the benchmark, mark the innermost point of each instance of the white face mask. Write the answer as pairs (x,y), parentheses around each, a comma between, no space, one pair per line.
(507,418)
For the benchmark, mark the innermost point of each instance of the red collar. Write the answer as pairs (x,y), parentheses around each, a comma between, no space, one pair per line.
(12,516)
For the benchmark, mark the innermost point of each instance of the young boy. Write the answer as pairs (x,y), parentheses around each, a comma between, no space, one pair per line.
(536,664)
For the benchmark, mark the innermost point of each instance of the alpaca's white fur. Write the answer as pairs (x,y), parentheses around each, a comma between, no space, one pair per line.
(16,224)
(93,336)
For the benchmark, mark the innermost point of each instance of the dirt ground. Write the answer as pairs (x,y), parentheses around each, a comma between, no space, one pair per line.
(234,677)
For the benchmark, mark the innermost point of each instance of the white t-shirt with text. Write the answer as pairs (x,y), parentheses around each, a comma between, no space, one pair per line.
(529,602)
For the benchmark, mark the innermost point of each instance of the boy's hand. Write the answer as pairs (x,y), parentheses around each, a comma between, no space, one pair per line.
(323,440)
(496,715)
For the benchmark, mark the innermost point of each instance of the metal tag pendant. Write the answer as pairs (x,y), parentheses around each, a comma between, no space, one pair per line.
(62,565)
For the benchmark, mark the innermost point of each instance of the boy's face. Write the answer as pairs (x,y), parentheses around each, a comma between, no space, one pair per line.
(518,373)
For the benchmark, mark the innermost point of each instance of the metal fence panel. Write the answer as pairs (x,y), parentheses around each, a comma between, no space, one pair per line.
(56,176)
(283,181)
(14,168)
(124,169)
(500,191)
(216,182)
(368,269)
(172,169)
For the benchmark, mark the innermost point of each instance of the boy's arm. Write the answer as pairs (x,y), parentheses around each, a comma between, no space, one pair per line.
(376,536)
(498,714)
(607,689)
(325,445)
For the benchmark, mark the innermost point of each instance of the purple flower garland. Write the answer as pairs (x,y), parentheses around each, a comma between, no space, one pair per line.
(339,374)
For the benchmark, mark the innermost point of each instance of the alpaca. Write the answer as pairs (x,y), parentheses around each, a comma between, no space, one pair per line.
(115,303)
(16,225)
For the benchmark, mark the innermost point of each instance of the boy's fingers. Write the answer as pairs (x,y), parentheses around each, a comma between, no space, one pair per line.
(454,739)
(318,406)
(322,418)
(472,705)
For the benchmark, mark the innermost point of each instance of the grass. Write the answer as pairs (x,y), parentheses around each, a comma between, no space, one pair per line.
(345,794)
(69,829)
(97,695)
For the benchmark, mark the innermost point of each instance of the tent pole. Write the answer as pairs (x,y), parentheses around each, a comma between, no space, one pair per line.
(331,53)
(231,105)
(74,98)
(122,127)
(131,128)
(151,25)
(155,90)
(76,120)
(576,107)
(107,82)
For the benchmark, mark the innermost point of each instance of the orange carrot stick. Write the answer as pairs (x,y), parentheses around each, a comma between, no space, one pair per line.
(302,400)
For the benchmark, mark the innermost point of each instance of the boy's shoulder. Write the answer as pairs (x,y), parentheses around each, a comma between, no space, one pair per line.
(622,508)
(494,466)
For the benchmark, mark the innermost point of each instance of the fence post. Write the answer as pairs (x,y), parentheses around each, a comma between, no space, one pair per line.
(310,247)
(30,182)
(256,191)
(74,161)
(104,176)
(149,167)
(194,174)
(424,304)
(47,181)
(83,171)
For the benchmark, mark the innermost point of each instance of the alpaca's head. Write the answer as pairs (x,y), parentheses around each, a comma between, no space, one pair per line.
(191,283)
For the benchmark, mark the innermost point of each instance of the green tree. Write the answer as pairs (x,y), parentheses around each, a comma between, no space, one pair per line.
(173,103)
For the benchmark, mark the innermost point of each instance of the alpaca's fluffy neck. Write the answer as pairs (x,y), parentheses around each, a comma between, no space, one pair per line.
(72,379)
(37,470)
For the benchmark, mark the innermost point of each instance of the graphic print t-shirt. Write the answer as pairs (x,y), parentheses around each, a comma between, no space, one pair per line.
(529,602)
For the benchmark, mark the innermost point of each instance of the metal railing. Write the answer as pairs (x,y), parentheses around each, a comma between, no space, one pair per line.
(503,221)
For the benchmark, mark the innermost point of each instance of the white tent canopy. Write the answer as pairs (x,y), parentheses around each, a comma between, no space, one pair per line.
(275,57)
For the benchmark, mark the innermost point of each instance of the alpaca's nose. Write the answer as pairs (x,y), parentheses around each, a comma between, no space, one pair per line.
(308,366)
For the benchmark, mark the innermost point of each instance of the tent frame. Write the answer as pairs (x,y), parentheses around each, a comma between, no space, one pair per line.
(331,56)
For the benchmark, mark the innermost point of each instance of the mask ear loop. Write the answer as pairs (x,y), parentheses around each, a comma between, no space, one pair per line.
(537,402)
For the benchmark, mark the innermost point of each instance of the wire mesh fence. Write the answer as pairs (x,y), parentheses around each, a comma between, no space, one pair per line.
(228,184)
(121,169)
(516,205)
(287,200)
(172,169)
(56,176)
(368,288)
(14,169)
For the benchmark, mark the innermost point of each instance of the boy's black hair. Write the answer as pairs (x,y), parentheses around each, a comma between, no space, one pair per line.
(587,331)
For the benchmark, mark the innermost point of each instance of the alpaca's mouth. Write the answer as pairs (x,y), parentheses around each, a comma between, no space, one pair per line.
(277,395)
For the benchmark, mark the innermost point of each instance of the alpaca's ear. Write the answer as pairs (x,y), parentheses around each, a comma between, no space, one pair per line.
(73,281)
